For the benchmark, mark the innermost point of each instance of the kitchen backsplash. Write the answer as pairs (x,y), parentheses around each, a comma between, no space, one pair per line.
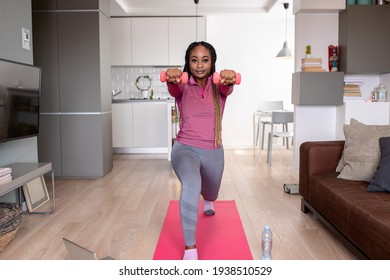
(124,79)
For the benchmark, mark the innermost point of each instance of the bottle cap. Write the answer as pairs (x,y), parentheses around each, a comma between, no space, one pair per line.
(266,227)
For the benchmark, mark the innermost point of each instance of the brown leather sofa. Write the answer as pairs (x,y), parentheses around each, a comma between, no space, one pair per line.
(359,218)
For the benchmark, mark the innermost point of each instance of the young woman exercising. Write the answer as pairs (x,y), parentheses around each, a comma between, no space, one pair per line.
(197,154)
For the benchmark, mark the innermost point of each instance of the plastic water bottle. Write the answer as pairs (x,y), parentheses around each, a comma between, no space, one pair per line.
(266,243)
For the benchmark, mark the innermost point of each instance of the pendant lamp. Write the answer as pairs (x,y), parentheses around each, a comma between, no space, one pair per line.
(285,51)
(196,18)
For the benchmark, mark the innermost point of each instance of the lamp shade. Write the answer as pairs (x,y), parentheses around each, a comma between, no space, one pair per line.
(285,51)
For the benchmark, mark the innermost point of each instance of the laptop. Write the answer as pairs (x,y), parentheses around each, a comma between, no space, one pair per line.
(78,252)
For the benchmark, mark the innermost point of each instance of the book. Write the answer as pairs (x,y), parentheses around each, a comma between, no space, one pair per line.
(352,90)
(311,67)
(350,94)
(311,60)
(5,171)
(353,81)
(5,179)
(312,64)
(313,70)
(353,98)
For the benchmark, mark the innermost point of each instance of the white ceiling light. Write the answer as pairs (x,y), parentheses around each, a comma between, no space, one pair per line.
(285,51)
(123,5)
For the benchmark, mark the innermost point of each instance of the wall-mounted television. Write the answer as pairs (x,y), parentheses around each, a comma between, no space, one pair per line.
(20,88)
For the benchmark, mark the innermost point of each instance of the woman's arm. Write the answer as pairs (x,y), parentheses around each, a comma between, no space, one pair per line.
(228,79)
(173,82)
(174,89)
(225,89)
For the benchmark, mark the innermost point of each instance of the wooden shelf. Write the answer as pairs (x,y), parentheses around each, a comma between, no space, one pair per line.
(25,172)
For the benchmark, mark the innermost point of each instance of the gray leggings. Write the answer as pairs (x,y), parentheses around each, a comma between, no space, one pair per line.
(200,172)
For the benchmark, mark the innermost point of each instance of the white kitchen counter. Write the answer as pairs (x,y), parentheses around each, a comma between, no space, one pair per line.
(128,100)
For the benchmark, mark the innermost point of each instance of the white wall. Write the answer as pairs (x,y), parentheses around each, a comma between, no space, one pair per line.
(314,123)
(317,30)
(248,43)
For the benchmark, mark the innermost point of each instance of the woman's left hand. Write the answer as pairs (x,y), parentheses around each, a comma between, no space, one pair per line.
(228,77)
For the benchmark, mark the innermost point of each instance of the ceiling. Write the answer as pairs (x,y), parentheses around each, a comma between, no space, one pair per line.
(189,8)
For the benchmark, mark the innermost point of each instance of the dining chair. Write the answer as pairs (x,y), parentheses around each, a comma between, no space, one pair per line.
(265,108)
(284,118)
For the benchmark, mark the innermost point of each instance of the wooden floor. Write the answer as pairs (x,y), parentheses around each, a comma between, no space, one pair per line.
(121,214)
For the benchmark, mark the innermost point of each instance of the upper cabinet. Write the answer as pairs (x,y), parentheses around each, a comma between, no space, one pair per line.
(120,41)
(364,39)
(154,41)
(149,39)
(182,32)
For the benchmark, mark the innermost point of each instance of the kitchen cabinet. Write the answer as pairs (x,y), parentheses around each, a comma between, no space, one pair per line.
(150,124)
(149,38)
(364,39)
(120,29)
(140,126)
(122,125)
(154,41)
(182,32)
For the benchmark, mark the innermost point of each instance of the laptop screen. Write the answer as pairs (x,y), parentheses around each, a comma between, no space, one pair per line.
(77,252)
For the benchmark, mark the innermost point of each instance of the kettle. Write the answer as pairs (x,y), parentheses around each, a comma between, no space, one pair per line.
(144,93)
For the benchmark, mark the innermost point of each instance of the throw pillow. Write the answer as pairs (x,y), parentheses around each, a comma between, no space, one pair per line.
(341,163)
(381,180)
(361,152)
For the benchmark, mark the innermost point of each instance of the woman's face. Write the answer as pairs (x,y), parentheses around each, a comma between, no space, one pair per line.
(200,62)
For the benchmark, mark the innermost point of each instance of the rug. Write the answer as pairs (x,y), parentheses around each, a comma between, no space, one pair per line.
(219,237)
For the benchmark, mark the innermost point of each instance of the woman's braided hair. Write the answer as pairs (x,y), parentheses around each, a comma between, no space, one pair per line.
(216,95)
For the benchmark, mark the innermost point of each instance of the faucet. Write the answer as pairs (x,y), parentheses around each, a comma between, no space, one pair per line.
(115,92)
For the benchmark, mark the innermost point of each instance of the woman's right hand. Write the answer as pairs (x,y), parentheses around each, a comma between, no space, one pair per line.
(173,75)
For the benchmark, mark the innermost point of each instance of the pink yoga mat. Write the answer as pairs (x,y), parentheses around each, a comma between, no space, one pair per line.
(219,237)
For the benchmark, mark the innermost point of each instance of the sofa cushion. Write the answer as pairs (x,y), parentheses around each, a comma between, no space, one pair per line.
(362,217)
(333,197)
(361,151)
(369,222)
(381,180)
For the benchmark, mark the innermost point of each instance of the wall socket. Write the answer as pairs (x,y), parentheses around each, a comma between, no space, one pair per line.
(26,38)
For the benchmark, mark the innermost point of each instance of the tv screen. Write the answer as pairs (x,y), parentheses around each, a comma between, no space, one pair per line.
(20,87)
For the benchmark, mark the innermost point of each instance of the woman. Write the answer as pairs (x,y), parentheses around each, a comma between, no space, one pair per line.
(197,154)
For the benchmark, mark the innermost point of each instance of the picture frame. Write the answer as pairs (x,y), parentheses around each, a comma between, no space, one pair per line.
(35,193)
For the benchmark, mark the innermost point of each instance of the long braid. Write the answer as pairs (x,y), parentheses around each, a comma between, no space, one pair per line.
(217,117)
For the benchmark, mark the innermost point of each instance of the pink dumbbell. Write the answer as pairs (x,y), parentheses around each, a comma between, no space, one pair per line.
(183,77)
(217,78)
